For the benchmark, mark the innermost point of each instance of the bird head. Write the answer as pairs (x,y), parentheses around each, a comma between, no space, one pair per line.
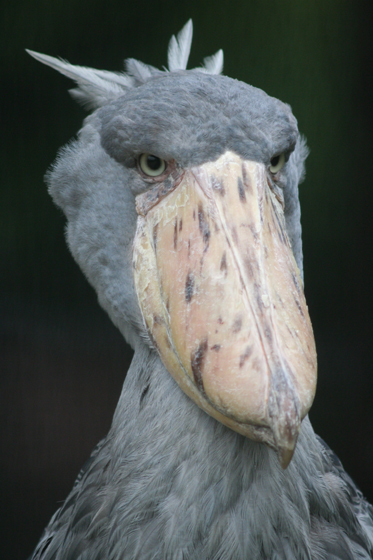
(181,195)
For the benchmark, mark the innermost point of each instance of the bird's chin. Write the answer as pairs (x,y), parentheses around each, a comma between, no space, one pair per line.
(222,299)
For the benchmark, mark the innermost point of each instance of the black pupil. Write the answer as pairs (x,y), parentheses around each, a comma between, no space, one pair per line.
(275,160)
(153,162)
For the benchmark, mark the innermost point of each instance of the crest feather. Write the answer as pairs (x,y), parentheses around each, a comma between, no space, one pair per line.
(214,64)
(139,71)
(179,49)
(98,87)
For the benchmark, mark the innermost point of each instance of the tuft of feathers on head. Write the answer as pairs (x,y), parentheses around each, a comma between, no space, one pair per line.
(179,49)
(98,87)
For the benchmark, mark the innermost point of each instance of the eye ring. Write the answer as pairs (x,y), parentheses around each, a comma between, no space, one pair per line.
(277,163)
(151,165)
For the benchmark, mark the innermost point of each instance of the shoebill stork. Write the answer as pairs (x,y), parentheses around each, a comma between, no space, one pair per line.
(181,199)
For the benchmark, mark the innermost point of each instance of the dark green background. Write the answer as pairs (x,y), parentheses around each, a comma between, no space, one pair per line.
(62,362)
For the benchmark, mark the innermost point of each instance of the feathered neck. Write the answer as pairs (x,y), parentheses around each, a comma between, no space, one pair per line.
(169,482)
(195,481)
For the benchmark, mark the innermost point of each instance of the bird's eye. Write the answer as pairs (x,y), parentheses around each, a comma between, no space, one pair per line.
(277,163)
(152,166)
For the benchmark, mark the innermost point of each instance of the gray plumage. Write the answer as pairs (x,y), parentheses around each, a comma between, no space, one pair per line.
(168,481)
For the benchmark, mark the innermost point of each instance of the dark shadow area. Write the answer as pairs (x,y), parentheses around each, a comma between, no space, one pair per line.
(63,376)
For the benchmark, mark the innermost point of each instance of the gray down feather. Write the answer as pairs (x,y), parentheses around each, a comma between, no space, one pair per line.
(169,482)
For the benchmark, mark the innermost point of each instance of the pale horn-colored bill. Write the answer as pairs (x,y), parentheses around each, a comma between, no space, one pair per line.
(222,299)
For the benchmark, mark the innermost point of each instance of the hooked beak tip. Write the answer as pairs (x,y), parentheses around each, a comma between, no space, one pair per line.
(286,436)
(285,455)
(285,416)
